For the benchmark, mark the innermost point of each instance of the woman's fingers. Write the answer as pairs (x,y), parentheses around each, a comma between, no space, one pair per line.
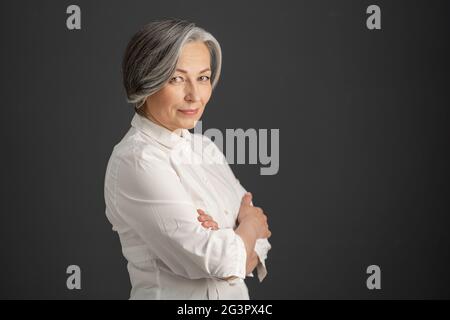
(203,216)
(207,220)
(210,224)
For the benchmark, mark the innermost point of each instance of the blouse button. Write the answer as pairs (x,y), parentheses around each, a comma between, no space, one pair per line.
(226,211)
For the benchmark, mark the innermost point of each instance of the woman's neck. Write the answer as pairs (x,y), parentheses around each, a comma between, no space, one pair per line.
(178,131)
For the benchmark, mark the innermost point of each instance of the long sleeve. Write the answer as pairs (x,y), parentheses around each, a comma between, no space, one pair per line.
(151,200)
(262,246)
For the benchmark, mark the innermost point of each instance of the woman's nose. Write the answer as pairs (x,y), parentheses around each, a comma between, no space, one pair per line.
(192,93)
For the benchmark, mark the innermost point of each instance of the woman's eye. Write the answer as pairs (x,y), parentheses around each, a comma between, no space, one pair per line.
(177,79)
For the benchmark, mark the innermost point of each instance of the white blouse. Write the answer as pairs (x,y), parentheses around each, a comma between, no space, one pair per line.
(155,182)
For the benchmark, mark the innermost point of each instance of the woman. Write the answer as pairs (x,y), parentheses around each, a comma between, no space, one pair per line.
(187,227)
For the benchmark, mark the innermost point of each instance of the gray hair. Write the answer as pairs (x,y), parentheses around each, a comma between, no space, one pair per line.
(151,56)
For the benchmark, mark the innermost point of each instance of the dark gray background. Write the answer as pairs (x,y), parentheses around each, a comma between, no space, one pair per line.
(363,119)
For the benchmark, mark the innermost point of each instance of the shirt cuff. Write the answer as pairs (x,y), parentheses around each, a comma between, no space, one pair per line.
(262,247)
(241,261)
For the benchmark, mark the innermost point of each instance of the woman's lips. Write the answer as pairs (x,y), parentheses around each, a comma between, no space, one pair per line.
(189,112)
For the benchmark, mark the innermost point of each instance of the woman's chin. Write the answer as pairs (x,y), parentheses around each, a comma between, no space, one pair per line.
(189,124)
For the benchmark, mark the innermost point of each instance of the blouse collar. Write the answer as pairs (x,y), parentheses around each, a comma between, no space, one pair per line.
(161,134)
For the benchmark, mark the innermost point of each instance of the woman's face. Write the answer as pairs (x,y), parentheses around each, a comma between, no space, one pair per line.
(180,103)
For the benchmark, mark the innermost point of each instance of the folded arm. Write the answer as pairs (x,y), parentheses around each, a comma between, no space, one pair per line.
(151,200)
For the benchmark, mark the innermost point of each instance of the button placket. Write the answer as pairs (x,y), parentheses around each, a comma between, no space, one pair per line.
(221,207)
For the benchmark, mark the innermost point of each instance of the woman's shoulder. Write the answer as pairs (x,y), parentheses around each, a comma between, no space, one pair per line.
(138,148)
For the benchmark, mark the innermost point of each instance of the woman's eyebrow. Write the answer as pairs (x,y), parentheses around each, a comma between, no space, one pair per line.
(184,71)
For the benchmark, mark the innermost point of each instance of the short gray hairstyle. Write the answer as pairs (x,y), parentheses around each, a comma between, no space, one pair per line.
(151,56)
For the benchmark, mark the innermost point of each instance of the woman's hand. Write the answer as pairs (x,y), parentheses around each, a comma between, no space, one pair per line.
(206,220)
(255,216)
